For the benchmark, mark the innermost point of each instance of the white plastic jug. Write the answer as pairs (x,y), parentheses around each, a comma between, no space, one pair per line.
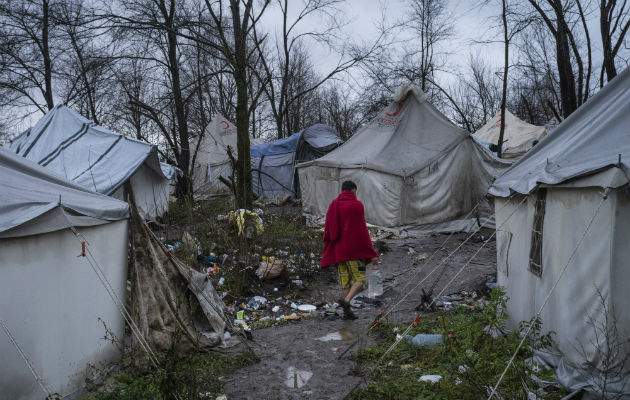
(375,282)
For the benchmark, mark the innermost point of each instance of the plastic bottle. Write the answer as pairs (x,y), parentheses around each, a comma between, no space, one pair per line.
(375,282)
(425,339)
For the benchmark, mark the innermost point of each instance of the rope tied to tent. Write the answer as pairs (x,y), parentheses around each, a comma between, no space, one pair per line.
(117,301)
(40,381)
(413,323)
(442,263)
(555,284)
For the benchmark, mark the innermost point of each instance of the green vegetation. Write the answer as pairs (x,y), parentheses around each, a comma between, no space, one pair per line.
(470,362)
(187,378)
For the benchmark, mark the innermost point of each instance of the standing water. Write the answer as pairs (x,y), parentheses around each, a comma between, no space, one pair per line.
(375,282)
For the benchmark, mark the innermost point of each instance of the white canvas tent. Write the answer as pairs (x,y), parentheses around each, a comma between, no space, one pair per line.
(212,158)
(50,299)
(96,158)
(573,228)
(518,137)
(413,167)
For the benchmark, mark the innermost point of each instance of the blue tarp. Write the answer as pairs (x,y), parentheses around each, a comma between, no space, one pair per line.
(280,146)
(273,163)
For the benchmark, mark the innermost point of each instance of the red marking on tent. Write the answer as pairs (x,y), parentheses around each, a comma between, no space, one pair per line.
(400,104)
(499,123)
(227,126)
(82,249)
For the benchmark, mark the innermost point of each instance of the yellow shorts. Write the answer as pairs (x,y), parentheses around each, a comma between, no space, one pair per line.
(351,272)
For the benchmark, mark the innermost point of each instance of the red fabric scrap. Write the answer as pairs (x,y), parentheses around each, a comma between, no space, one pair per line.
(346,236)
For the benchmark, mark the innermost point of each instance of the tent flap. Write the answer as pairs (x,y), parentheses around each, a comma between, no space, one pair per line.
(30,191)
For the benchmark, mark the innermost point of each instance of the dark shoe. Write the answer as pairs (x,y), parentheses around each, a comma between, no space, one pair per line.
(349,315)
(347,310)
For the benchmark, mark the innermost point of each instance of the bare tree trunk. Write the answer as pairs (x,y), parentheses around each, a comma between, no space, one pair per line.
(86,82)
(48,93)
(506,65)
(184,184)
(612,20)
(561,33)
(244,196)
(565,70)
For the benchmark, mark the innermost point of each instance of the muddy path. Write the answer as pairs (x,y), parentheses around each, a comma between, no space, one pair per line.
(310,358)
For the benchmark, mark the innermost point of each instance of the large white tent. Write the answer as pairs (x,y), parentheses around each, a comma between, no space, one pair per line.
(51,301)
(96,158)
(567,243)
(212,159)
(518,137)
(413,167)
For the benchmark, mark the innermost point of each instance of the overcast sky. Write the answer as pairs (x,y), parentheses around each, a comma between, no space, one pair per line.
(472,25)
(363,17)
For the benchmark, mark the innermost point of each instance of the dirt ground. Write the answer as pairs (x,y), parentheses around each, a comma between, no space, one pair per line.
(296,359)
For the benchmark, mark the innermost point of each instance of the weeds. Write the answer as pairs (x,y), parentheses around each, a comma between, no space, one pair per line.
(470,362)
(190,377)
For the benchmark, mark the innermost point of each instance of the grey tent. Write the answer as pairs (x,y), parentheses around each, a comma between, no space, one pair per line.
(64,284)
(518,137)
(564,212)
(273,163)
(96,158)
(212,160)
(50,299)
(412,167)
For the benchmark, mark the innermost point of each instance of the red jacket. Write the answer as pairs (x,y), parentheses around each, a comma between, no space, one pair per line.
(346,236)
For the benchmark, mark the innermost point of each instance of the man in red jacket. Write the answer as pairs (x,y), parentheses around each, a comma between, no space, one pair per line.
(347,244)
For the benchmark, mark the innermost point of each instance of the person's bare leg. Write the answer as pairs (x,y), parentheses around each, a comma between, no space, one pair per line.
(349,294)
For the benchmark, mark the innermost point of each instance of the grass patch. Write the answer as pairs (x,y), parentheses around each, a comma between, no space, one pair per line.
(190,377)
(470,361)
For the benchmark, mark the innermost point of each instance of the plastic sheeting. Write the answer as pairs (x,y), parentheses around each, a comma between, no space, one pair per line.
(412,167)
(34,199)
(273,163)
(212,160)
(165,294)
(595,136)
(518,138)
(87,154)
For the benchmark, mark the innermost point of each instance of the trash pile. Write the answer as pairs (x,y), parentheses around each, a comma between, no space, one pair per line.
(258,311)
(464,298)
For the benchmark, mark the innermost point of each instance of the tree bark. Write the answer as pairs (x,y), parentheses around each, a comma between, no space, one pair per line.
(568,97)
(48,92)
(244,196)
(505,76)
(184,184)
(608,64)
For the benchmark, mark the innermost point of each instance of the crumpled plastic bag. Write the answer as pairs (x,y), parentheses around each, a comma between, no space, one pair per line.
(270,269)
